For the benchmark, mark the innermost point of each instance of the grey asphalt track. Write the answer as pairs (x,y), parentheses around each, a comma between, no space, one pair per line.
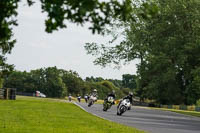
(149,120)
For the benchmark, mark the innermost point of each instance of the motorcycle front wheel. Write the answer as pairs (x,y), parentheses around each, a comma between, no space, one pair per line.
(90,103)
(121,110)
(105,106)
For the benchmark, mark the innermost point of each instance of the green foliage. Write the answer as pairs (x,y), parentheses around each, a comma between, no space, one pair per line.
(105,86)
(198,102)
(117,83)
(59,83)
(47,80)
(126,91)
(98,13)
(73,82)
(1,82)
(108,85)
(8,11)
(5,68)
(129,81)
(92,79)
(167,46)
(18,79)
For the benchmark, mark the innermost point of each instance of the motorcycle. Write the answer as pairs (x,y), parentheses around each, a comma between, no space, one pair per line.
(86,98)
(108,103)
(123,106)
(79,99)
(70,98)
(91,100)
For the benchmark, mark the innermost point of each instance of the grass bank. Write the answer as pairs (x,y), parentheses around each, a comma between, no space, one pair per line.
(185,112)
(37,115)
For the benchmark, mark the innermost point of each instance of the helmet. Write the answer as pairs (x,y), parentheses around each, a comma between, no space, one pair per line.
(113,91)
(94,90)
(130,94)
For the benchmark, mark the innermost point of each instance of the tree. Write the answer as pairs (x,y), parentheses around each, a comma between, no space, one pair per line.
(129,81)
(7,21)
(5,69)
(98,13)
(116,82)
(46,80)
(167,46)
(73,82)
(20,80)
(54,84)
(92,79)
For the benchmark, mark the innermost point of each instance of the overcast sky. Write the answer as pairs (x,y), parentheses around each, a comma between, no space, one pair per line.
(64,48)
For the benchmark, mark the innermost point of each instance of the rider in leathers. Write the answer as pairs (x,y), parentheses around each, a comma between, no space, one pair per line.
(94,94)
(112,94)
(129,96)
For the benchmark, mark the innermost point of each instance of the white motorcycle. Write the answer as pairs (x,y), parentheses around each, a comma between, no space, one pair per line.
(123,106)
(91,100)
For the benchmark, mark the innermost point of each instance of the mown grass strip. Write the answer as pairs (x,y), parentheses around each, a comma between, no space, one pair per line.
(36,115)
(185,112)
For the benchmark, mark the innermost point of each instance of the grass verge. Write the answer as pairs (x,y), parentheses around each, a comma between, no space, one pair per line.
(37,115)
(185,112)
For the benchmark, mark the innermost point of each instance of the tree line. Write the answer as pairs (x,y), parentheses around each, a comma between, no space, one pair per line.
(59,83)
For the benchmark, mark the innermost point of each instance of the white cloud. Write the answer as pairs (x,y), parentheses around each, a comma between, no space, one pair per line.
(39,44)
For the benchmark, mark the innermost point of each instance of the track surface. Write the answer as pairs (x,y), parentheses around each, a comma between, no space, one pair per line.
(152,121)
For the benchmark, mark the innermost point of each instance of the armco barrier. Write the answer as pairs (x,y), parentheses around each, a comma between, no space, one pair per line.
(182,107)
(175,107)
(191,108)
(164,106)
(197,109)
(169,106)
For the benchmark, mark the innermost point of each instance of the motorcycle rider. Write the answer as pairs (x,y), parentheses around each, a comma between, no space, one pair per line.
(94,93)
(70,97)
(129,96)
(112,94)
(79,98)
(92,98)
(86,98)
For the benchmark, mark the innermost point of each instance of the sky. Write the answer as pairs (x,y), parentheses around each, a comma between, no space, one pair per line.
(64,48)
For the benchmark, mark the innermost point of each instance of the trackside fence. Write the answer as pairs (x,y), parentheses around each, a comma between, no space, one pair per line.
(182,107)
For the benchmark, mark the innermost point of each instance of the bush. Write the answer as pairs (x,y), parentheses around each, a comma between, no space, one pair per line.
(198,102)
(1,83)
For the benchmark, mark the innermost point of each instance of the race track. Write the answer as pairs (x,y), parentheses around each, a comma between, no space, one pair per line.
(152,121)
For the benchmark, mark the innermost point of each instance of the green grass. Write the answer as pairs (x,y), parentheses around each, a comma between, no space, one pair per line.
(37,115)
(185,112)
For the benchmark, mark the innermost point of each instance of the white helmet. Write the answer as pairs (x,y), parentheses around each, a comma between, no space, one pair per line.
(113,91)
(130,94)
